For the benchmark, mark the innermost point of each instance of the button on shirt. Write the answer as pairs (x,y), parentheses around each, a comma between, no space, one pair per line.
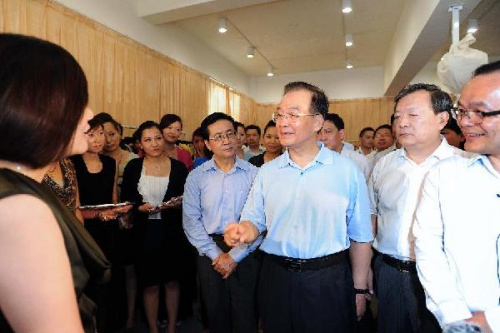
(394,189)
(309,212)
(457,231)
(213,199)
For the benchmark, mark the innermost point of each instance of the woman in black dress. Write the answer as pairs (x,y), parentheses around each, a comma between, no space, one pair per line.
(162,245)
(47,259)
(97,176)
(271,142)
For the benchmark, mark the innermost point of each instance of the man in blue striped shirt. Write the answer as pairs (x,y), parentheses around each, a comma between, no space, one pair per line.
(214,195)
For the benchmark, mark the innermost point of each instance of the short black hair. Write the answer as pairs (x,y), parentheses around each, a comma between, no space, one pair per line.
(107,118)
(386,126)
(168,120)
(254,127)
(487,68)
(197,132)
(336,120)
(268,125)
(238,124)
(210,119)
(440,100)
(43,96)
(94,123)
(453,126)
(319,100)
(144,126)
(364,130)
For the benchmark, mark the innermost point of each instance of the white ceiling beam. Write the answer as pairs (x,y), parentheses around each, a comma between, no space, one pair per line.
(160,12)
(423,27)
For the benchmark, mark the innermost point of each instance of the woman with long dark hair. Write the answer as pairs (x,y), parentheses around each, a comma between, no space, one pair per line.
(47,259)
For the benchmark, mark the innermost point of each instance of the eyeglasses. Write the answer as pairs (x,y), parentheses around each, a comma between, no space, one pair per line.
(220,137)
(291,116)
(475,116)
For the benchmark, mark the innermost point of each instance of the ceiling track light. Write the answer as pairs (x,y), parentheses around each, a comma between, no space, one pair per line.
(222,25)
(348,40)
(271,71)
(250,52)
(346,6)
(472,26)
(349,64)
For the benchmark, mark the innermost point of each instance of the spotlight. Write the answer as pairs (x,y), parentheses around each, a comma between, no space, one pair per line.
(271,71)
(222,25)
(346,6)
(348,40)
(250,52)
(349,64)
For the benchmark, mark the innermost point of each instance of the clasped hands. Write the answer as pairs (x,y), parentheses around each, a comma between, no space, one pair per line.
(224,264)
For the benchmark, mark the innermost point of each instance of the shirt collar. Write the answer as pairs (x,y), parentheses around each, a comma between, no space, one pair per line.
(324,156)
(444,150)
(484,161)
(239,163)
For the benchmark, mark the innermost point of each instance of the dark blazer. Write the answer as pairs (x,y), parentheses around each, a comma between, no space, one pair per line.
(129,192)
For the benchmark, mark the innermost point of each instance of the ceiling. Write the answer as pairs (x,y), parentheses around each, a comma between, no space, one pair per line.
(309,35)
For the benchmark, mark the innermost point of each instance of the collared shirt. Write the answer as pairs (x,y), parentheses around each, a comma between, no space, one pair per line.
(361,161)
(379,154)
(370,156)
(394,189)
(247,154)
(457,231)
(213,199)
(312,211)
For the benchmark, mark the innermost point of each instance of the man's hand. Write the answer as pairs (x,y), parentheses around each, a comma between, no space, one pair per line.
(224,264)
(240,233)
(360,305)
(479,318)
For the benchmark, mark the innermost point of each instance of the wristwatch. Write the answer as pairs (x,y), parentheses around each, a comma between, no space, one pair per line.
(361,291)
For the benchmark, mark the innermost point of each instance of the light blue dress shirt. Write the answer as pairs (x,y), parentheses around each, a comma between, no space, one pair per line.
(213,199)
(312,211)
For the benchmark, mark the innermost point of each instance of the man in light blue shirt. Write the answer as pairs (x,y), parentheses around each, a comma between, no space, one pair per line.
(214,195)
(314,205)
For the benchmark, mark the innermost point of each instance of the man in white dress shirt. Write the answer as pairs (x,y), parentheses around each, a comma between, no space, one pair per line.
(332,133)
(367,142)
(421,111)
(457,227)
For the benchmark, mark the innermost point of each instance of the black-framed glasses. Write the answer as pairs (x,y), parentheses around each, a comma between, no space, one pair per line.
(475,116)
(220,137)
(291,116)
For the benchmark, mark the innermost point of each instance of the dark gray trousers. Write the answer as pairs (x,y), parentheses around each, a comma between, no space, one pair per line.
(230,303)
(401,301)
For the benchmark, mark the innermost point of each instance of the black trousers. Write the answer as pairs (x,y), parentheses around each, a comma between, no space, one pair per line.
(401,301)
(309,301)
(230,303)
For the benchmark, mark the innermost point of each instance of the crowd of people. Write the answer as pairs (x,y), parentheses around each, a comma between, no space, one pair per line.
(291,229)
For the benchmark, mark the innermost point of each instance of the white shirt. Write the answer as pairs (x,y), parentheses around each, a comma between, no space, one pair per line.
(361,161)
(379,154)
(457,230)
(370,156)
(348,145)
(394,190)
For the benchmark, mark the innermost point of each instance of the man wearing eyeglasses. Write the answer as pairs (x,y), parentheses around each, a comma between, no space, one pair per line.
(457,226)
(420,113)
(313,204)
(214,195)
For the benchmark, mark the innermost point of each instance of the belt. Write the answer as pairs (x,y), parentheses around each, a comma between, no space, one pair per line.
(406,266)
(299,265)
